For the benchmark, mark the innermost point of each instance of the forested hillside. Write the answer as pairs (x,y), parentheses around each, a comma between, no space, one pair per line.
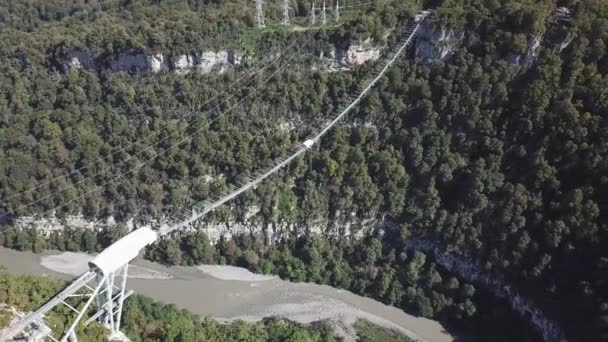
(499,161)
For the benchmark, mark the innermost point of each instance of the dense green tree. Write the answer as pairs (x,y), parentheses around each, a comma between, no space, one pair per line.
(502,162)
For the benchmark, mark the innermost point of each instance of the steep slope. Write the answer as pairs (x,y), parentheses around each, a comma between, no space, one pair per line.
(490,141)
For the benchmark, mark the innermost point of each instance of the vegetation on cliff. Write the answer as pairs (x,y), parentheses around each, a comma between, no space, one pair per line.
(498,162)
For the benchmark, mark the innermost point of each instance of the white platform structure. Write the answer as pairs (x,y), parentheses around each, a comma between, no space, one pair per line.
(99,283)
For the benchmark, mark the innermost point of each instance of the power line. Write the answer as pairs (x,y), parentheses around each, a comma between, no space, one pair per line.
(356,4)
(156,154)
(125,149)
(144,150)
(207,207)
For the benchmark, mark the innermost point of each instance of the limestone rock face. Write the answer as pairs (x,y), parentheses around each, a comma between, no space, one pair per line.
(204,61)
(156,62)
(440,44)
(341,59)
(208,60)
(557,35)
(79,59)
(130,61)
(139,62)
(358,54)
(133,61)
(437,44)
(531,53)
(183,64)
(50,224)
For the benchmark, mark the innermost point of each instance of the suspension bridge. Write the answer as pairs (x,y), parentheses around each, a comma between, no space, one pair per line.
(103,286)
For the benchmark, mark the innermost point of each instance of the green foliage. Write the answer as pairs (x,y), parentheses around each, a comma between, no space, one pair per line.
(150,321)
(27,293)
(5,318)
(377,267)
(501,163)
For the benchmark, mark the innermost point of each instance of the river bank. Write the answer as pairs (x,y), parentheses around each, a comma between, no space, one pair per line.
(239,295)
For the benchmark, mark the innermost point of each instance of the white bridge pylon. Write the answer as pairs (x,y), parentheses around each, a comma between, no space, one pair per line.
(98,283)
(99,287)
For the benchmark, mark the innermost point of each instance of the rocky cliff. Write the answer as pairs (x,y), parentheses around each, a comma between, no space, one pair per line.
(204,62)
(134,61)
(214,230)
(530,56)
(51,224)
(440,43)
(357,54)
(437,44)
(460,265)
(345,58)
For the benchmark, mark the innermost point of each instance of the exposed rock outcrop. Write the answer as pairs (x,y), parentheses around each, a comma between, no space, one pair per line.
(133,61)
(557,35)
(208,60)
(48,225)
(183,64)
(251,224)
(531,53)
(460,265)
(437,44)
(341,59)
(358,54)
(440,43)
(140,62)
(560,34)
(77,59)
(156,62)
(566,42)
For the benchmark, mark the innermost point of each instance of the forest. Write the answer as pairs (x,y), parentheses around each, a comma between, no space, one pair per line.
(501,162)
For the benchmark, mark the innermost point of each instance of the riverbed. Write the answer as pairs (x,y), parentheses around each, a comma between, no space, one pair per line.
(228,293)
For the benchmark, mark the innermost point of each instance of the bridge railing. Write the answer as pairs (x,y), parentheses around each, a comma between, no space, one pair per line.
(203,208)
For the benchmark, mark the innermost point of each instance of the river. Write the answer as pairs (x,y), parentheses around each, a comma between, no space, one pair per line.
(227,293)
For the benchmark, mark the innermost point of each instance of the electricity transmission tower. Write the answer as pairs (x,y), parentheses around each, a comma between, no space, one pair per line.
(286,12)
(313,15)
(337,14)
(259,13)
(96,287)
(323,16)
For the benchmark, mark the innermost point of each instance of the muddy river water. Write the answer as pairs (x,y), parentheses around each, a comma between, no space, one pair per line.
(228,293)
